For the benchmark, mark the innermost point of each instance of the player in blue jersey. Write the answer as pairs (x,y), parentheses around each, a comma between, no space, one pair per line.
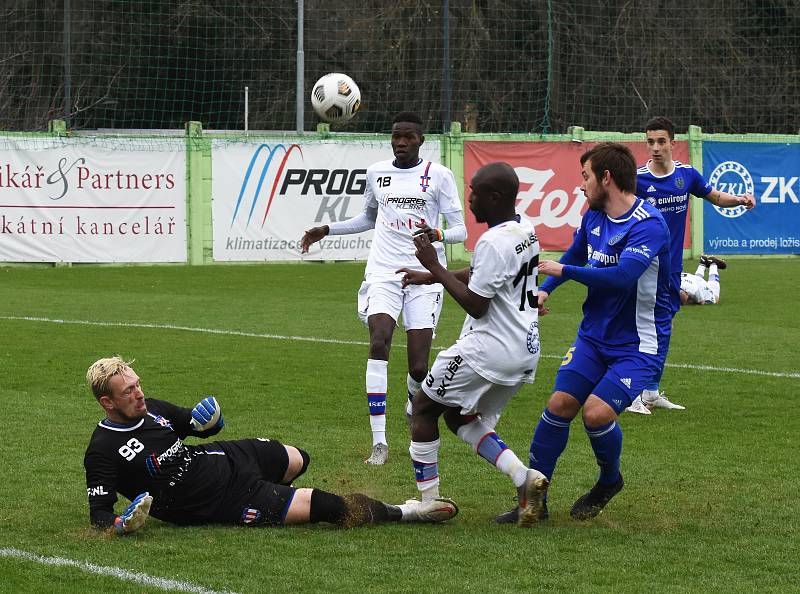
(667,184)
(621,253)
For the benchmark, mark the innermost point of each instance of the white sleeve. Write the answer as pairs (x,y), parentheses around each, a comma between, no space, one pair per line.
(361,222)
(456,231)
(448,193)
(488,270)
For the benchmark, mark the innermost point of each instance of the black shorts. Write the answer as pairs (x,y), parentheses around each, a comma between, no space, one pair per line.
(257,497)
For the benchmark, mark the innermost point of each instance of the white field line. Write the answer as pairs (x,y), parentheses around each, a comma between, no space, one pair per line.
(117,572)
(786,374)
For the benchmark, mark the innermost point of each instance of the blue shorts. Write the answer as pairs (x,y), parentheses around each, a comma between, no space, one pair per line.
(615,375)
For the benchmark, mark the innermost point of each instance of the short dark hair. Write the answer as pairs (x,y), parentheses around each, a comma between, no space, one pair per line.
(661,123)
(615,158)
(499,177)
(407,117)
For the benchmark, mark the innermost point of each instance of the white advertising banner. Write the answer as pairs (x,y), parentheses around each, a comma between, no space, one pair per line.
(265,196)
(64,201)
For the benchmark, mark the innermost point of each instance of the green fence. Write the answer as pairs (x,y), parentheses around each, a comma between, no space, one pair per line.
(199,163)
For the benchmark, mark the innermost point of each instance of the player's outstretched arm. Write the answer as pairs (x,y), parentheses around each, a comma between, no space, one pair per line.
(541,297)
(728,200)
(135,515)
(207,415)
(551,268)
(419,277)
(312,236)
(415,277)
(363,221)
(475,305)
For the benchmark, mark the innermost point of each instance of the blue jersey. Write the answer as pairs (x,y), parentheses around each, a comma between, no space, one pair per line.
(623,310)
(670,195)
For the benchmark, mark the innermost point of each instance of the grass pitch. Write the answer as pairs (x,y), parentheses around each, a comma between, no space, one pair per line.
(709,505)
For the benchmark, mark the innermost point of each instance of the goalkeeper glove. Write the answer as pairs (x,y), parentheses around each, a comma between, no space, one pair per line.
(207,415)
(134,515)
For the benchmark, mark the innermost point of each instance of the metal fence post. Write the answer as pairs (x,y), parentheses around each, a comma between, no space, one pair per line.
(299,121)
(67,61)
(447,90)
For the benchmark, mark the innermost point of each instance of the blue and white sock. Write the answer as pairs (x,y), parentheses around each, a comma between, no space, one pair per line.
(376,381)
(488,445)
(425,460)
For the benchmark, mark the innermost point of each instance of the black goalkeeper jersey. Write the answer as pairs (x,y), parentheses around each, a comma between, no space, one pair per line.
(188,482)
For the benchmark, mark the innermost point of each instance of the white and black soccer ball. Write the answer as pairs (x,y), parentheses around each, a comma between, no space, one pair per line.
(335,97)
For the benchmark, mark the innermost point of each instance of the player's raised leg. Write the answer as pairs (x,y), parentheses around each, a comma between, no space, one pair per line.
(701,267)
(715,265)
(530,483)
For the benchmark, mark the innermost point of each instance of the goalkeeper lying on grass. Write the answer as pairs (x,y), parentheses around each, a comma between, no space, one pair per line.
(138,451)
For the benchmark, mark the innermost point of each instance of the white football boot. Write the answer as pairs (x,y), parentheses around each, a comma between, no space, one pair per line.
(380,454)
(660,401)
(637,406)
(431,511)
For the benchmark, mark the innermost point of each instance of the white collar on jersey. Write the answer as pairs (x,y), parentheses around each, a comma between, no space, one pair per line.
(629,214)
(667,174)
(417,164)
(106,424)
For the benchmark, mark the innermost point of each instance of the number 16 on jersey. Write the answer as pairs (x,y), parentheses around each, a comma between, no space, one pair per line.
(526,294)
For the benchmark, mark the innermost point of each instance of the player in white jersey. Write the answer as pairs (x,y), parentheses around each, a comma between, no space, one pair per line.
(404,197)
(498,349)
(695,289)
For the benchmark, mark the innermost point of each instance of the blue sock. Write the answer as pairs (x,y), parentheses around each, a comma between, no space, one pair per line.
(549,441)
(606,442)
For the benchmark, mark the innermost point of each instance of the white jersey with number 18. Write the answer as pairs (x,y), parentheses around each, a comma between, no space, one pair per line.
(403,198)
(503,345)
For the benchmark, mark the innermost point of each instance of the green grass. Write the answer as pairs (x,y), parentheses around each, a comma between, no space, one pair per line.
(710,503)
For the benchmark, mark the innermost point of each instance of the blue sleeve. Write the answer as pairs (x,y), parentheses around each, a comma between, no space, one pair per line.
(698,184)
(622,276)
(645,241)
(574,256)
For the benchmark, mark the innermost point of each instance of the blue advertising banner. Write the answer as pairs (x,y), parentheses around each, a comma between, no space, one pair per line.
(771,173)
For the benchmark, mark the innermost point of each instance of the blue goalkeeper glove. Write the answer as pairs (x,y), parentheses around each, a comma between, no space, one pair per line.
(135,515)
(207,415)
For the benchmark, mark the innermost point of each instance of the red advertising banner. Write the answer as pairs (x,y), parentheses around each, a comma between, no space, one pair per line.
(550,179)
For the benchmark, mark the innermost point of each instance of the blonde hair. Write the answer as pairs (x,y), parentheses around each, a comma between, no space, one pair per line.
(101,371)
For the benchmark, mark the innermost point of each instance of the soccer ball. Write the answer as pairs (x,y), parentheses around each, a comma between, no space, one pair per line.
(335,97)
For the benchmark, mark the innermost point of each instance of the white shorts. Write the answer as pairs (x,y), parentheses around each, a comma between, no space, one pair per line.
(453,382)
(420,305)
